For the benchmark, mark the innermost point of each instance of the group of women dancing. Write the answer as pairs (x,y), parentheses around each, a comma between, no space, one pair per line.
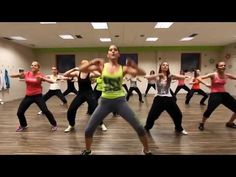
(112,98)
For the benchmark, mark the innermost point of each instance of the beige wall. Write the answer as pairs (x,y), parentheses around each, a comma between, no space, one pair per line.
(231,66)
(13,57)
(147,60)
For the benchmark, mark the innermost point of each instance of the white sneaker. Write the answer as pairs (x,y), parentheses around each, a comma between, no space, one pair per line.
(68,129)
(103,127)
(183,132)
(40,113)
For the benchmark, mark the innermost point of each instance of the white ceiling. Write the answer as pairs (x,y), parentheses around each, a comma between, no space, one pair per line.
(46,36)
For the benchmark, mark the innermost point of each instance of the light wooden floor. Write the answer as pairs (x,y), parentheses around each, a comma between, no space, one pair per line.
(120,139)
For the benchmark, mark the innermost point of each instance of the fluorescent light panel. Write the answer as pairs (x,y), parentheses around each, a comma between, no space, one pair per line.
(47,23)
(105,39)
(163,24)
(152,39)
(66,36)
(18,38)
(186,39)
(99,25)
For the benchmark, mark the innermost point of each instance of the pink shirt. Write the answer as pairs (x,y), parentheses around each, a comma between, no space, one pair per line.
(181,82)
(33,86)
(196,85)
(217,84)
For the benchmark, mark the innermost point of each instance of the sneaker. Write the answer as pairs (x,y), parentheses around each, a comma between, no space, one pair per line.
(230,125)
(103,127)
(201,126)
(54,128)
(147,153)
(20,128)
(86,152)
(183,132)
(40,113)
(69,128)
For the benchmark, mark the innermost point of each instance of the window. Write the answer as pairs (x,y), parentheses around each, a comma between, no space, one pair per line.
(65,62)
(124,57)
(190,61)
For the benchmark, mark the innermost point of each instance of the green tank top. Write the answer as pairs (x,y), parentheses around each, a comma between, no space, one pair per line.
(112,83)
(99,84)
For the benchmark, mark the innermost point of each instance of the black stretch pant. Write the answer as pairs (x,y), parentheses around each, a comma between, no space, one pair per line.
(190,95)
(130,92)
(148,88)
(179,87)
(57,93)
(68,90)
(220,98)
(25,104)
(80,98)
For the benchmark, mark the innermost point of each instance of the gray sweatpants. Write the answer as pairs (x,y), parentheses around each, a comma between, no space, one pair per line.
(118,105)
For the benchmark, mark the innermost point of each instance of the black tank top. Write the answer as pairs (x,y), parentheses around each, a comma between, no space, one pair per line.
(70,84)
(84,84)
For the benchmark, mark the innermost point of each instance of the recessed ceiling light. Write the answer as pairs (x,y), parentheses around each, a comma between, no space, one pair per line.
(105,39)
(66,36)
(99,25)
(18,38)
(163,24)
(186,39)
(152,39)
(48,23)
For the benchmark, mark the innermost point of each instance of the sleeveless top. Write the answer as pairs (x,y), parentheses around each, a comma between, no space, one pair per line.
(84,84)
(163,86)
(217,84)
(112,83)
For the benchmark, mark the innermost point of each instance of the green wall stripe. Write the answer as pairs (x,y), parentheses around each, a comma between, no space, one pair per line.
(132,49)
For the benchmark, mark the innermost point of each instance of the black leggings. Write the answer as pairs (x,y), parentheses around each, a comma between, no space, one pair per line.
(148,88)
(125,87)
(68,90)
(80,98)
(130,92)
(57,92)
(190,95)
(220,98)
(179,87)
(25,104)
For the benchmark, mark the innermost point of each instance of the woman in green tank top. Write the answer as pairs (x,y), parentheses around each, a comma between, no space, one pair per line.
(113,96)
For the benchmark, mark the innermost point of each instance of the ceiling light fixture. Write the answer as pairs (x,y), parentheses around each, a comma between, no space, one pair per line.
(163,24)
(97,25)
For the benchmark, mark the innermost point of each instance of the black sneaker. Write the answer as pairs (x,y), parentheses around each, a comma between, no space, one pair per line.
(230,125)
(201,126)
(86,152)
